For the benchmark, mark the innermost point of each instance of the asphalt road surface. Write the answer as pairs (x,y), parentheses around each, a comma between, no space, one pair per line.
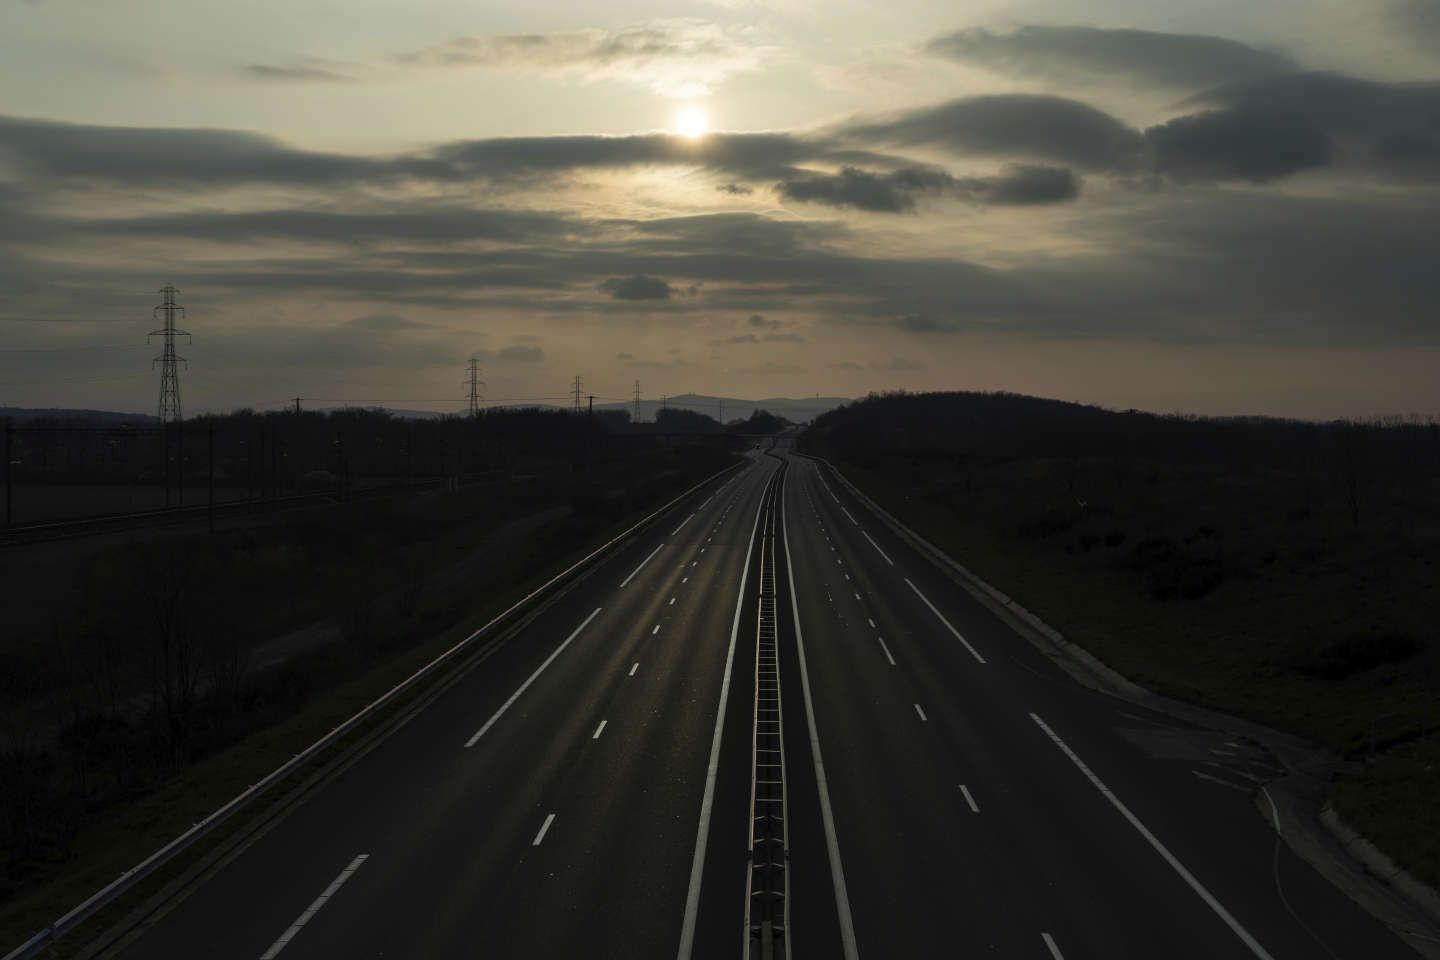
(939,788)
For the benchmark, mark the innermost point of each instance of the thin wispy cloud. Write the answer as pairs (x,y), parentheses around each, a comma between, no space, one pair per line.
(683,58)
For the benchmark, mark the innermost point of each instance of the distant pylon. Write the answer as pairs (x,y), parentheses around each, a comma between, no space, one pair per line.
(577,394)
(169,377)
(637,401)
(475,384)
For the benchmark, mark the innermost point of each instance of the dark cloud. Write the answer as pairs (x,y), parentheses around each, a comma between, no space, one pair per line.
(1181,60)
(41,149)
(783,338)
(881,193)
(638,287)
(1021,125)
(1246,144)
(735,189)
(729,341)
(896,192)
(279,74)
(1391,125)
(756,320)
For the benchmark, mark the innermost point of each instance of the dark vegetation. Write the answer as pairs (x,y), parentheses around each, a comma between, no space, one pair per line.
(123,668)
(1282,570)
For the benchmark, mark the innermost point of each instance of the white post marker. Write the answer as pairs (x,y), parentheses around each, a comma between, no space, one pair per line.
(531,679)
(948,625)
(314,908)
(1160,848)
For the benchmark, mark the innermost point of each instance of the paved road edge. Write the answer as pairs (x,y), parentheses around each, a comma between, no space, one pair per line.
(1348,860)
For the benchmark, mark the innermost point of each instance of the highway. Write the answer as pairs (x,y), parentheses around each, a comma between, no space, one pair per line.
(770,659)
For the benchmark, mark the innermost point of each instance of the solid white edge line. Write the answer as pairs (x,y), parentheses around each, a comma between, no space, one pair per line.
(531,679)
(948,625)
(642,565)
(877,547)
(707,803)
(847,514)
(544,829)
(685,521)
(1054,950)
(599,730)
(827,815)
(974,807)
(314,908)
(1154,842)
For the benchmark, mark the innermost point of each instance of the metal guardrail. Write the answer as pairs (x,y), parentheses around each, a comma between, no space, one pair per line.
(44,939)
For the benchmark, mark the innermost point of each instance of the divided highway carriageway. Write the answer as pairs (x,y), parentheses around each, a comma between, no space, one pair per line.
(768,727)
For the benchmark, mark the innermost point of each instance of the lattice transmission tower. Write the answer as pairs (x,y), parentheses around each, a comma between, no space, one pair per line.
(577,393)
(169,376)
(475,384)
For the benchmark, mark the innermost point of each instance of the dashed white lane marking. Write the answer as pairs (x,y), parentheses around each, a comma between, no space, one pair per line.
(887,650)
(633,667)
(672,602)
(686,579)
(531,679)
(702,549)
(639,568)
(694,562)
(847,576)
(857,596)
(1160,848)
(544,828)
(1055,953)
(919,711)
(973,652)
(974,807)
(314,908)
(851,519)
(685,521)
(877,547)
(656,630)
(598,730)
(871,622)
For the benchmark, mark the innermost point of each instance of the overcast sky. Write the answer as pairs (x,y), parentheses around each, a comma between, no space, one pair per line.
(1222,207)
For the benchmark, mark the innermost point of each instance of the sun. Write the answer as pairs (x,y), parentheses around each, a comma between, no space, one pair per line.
(691,122)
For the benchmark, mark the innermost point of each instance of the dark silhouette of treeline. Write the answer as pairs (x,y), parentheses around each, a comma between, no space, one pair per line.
(289,449)
(1352,457)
